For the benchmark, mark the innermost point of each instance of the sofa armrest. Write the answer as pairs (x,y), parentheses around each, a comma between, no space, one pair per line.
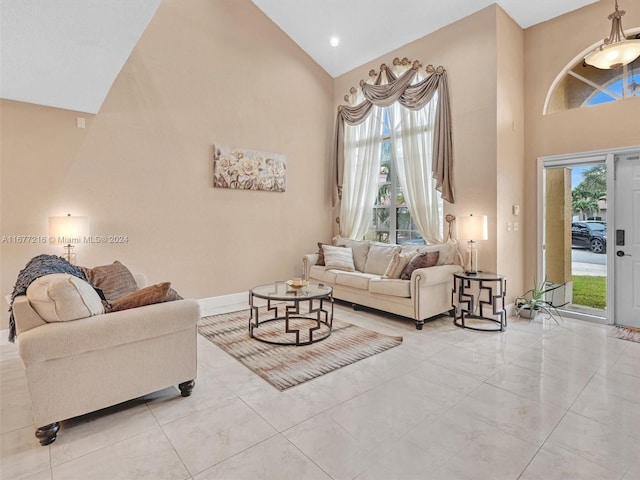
(64,339)
(425,277)
(25,316)
(308,261)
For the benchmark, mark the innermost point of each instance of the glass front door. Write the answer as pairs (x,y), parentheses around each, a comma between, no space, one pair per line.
(575,235)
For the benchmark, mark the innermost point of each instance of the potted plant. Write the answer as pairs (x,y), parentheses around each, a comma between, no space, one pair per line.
(533,301)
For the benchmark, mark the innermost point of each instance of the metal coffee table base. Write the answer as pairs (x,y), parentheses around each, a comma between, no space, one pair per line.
(323,319)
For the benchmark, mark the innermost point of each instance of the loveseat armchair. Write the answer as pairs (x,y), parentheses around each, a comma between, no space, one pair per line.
(79,366)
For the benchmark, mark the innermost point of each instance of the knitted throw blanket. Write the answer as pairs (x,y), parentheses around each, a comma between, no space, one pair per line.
(38,267)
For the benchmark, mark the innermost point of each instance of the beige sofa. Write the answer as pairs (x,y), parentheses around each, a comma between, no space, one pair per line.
(79,366)
(425,294)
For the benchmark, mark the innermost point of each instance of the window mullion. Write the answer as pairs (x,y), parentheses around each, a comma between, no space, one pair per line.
(393,207)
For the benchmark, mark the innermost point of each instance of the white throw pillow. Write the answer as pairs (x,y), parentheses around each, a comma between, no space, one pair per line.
(338,258)
(360,250)
(61,297)
(379,258)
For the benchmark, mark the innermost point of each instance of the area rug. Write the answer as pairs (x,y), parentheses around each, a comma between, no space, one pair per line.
(287,366)
(626,333)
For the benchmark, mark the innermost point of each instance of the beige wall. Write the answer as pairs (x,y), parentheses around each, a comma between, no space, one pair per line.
(510,131)
(549,47)
(203,73)
(483,57)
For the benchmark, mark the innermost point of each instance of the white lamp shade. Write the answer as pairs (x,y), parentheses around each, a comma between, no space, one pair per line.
(472,227)
(68,229)
(616,55)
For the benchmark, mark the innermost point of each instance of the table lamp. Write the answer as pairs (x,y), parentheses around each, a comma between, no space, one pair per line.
(473,228)
(68,230)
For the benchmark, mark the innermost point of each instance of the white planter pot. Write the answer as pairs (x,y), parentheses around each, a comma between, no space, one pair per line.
(526,312)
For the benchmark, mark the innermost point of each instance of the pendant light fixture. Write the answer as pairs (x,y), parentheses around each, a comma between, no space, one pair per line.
(616,50)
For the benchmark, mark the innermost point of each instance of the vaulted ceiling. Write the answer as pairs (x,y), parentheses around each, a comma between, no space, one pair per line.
(67,53)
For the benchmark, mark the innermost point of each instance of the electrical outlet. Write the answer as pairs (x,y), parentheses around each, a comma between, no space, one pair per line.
(508,226)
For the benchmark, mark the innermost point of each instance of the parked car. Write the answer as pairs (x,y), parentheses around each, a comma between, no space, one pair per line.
(589,234)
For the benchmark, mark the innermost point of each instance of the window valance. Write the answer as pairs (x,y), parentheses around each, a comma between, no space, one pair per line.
(386,89)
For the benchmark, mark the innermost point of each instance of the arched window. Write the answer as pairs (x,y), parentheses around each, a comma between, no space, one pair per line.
(581,85)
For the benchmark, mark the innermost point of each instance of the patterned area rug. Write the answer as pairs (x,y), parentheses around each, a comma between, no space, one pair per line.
(627,333)
(287,366)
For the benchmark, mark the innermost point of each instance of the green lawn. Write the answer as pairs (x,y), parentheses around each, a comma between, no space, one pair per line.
(590,291)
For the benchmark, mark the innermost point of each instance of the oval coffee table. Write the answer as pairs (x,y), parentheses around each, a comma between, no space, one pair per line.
(301,316)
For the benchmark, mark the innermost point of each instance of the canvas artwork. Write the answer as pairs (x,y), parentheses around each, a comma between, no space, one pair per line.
(245,169)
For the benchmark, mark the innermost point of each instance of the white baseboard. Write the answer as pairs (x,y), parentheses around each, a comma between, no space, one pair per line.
(223,303)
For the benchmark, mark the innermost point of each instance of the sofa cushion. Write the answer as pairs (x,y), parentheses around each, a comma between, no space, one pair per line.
(390,286)
(360,250)
(338,258)
(354,279)
(422,260)
(379,258)
(159,293)
(114,280)
(61,297)
(322,274)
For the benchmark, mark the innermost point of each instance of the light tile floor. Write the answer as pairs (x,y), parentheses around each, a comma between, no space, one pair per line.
(539,401)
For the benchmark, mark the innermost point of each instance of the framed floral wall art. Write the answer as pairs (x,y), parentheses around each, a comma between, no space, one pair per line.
(245,169)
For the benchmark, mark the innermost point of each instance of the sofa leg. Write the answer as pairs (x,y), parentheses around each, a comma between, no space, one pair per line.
(47,434)
(186,388)
(419,324)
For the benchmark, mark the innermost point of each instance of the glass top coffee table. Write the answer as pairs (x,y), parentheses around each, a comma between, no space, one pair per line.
(294,316)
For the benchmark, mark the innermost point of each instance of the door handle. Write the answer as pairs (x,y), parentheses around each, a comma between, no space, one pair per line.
(621,253)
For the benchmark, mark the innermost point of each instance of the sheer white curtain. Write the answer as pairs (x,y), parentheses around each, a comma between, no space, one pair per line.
(412,144)
(362,147)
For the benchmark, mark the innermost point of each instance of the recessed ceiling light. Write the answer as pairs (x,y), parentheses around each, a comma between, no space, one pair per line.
(334,41)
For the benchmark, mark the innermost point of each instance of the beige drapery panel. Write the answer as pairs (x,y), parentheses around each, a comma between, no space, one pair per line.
(400,89)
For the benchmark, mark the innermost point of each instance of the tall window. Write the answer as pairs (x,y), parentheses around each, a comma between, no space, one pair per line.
(394,155)
(391,220)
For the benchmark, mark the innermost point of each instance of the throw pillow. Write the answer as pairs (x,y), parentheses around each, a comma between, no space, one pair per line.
(338,258)
(396,266)
(162,292)
(321,253)
(379,258)
(360,250)
(447,252)
(114,280)
(422,260)
(61,297)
